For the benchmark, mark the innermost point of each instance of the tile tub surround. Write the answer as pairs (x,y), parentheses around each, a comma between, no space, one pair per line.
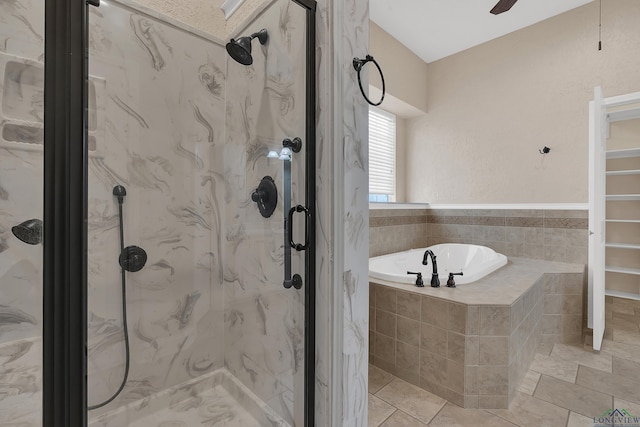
(396,230)
(553,235)
(471,352)
(566,386)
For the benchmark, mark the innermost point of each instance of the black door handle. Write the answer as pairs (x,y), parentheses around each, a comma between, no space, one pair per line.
(298,246)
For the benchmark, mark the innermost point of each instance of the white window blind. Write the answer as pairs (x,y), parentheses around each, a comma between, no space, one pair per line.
(382,155)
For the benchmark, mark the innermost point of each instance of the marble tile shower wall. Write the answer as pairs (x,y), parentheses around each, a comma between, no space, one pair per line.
(21,175)
(163,108)
(189,147)
(342,286)
(554,235)
(21,118)
(264,322)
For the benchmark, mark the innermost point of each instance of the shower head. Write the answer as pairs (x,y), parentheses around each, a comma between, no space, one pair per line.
(29,232)
(240,49)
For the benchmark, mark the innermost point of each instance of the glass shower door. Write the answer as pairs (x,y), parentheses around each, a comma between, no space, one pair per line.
(21,197)
(264,274)
(191,182)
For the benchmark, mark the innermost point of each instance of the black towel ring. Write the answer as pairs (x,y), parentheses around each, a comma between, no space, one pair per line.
(358,64)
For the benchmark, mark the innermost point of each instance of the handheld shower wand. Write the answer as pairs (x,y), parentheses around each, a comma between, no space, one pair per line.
(132,258)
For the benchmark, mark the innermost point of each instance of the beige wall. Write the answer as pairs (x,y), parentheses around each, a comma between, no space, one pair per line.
(405,73)
(406,86)
(401,159)
(493,106)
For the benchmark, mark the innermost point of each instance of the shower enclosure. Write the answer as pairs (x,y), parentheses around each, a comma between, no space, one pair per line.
(174,284)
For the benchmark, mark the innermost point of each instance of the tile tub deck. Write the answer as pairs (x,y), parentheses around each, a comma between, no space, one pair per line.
(473,344)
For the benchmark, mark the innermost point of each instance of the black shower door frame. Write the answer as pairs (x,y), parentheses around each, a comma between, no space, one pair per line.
(64,364)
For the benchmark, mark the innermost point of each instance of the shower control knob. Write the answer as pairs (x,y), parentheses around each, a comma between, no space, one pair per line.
(266,196)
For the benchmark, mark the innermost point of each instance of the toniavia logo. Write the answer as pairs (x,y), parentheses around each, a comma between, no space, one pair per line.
(616,417)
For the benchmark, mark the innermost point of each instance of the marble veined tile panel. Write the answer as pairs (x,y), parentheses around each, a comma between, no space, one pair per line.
(21,379)
(22,28)
(163,139)
(264,322)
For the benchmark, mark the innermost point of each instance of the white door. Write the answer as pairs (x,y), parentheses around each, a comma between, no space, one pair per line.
(597,176)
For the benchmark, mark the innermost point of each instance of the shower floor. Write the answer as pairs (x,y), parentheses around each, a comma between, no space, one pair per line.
(214,399)
(213,407)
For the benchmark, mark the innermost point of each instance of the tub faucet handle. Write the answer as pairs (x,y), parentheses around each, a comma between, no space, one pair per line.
(419,281)
(451,283)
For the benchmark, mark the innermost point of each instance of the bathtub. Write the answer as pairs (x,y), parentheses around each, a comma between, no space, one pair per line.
(472,260)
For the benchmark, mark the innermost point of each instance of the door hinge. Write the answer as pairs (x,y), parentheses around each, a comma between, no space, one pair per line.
(95,3)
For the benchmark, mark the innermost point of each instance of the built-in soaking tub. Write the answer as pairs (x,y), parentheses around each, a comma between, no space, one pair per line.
(475,262)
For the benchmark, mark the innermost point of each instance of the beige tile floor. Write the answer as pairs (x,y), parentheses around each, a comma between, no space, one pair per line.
(566,386)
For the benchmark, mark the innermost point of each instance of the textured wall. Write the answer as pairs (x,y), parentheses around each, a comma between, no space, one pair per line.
(243,15)
(401,159)
(206,15)
(405,73)
(493,106)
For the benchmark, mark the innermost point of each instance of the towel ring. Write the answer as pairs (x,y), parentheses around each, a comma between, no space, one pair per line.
(358,64)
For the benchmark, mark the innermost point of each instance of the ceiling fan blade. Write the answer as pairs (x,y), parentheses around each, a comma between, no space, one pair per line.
(502,6)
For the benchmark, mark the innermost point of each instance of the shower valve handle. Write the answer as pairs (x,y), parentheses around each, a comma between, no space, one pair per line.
(266,196)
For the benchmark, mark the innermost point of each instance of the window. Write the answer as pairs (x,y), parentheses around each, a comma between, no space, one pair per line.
(382,155)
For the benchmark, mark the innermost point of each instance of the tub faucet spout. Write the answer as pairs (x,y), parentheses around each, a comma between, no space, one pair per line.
(435,281)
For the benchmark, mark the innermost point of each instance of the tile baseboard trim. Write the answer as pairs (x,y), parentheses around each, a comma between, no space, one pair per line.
(514,206)
(505,206)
